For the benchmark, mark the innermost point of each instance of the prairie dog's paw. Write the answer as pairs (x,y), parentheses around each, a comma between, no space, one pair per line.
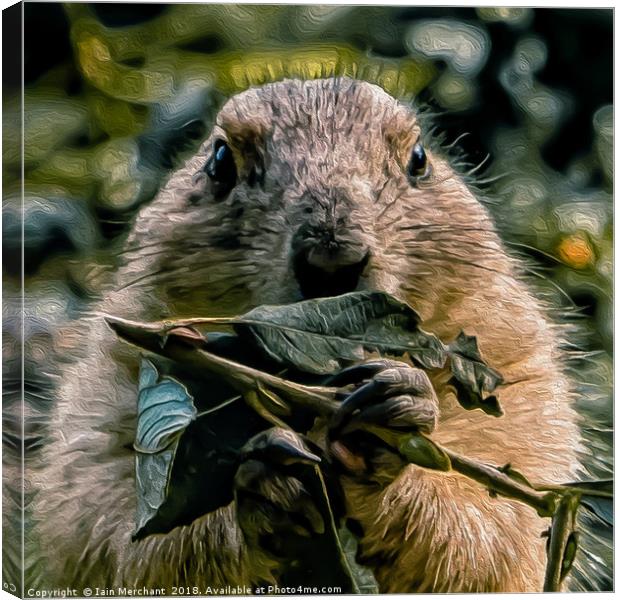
(388,396)
(273,504)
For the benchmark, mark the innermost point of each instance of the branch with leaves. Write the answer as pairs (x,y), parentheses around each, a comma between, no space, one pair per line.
(321,337)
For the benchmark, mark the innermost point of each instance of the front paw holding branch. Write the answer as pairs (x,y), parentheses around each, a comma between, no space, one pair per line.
(390,401)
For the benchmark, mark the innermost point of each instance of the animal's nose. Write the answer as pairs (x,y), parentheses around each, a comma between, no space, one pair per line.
(329,270)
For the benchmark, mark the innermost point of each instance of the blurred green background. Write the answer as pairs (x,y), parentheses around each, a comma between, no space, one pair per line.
(115,94)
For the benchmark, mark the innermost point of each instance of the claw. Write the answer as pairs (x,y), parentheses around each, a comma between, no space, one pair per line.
(358,373)
(272,501)
(280,446)
(405,412)
(405,381)
(357,400)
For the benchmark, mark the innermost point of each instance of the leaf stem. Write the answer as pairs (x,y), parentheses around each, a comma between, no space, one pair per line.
(220,406)
(493,478)
(251,397)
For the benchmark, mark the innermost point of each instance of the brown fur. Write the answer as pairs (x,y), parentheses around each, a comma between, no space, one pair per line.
(434,246)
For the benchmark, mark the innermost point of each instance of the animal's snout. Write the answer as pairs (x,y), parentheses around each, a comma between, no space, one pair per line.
(328,262)
(329,250)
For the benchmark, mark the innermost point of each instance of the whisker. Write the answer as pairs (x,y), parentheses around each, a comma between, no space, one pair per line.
(448,228)
(433,182)
(550,281)
(477,168)
(490,179)
(159,252)
(457,140)
(143,246)
(239,286)
(438,242)
(447,257)
(146,277)
(425,255)
(537,250)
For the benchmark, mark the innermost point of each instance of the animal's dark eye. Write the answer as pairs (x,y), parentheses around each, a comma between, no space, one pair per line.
(221,168)
(418,163)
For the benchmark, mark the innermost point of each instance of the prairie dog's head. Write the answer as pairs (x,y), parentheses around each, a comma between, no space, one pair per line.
(303,189)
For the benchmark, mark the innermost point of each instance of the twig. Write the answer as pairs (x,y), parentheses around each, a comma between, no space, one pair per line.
(558,502)
(241,377)
(543,502)
(562,527)
(321,399)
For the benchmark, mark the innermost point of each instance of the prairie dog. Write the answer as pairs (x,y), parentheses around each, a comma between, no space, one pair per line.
(303,189)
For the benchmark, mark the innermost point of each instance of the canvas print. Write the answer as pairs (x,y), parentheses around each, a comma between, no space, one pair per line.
(306,299)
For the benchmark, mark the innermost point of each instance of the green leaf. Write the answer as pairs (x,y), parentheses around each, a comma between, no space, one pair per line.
(363,576)
(470,399)
(165,409)
(420,450)
(472,378)
(322,335)
(570,551)
(199,468)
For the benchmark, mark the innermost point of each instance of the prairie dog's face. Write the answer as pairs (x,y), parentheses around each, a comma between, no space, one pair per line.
(302,189)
